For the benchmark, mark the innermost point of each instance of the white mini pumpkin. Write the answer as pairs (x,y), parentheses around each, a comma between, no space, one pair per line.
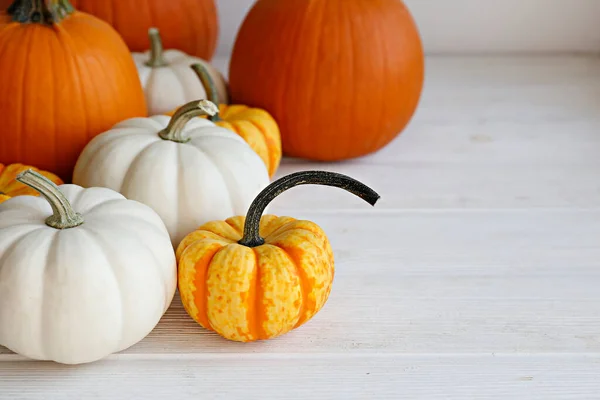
(84,273)
(187,169)
(167,79)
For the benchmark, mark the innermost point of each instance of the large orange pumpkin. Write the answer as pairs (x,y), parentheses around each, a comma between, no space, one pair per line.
(191,26)
(341,77)
(66,77)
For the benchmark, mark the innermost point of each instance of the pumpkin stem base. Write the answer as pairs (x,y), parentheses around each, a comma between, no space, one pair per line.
(63,216)
(38,12)
(183,115)
(252,241)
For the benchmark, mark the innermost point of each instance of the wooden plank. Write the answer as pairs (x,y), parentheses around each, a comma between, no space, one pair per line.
(502,133)
(425,185)
(439,281)
(256,376)
(474,277)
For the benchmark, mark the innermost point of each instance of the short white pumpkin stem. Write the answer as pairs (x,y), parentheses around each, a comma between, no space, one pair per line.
(63,217)
(183,115)
(157,58)
(252,237)
(209,86)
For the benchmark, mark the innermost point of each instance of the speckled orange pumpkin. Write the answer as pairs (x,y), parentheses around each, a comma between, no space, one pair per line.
(252,278)
(10,187)
(256,126)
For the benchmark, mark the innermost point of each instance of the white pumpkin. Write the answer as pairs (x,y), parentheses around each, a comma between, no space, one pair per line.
(84,273)
(187,169)
(167,79)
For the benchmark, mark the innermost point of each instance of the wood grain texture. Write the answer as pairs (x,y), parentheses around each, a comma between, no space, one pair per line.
(475,277)
(393,377)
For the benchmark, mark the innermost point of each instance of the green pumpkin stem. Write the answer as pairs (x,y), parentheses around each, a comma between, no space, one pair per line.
(157,57)
(183,115)
(63,216)
(252,236)
(46,12)
(209,85)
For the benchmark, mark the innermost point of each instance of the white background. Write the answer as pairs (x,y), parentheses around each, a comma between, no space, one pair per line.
(478,26)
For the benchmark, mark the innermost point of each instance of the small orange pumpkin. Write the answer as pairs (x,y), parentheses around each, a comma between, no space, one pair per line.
(256,126)
(10,187)
(66,77)
(257,278)
(342,78)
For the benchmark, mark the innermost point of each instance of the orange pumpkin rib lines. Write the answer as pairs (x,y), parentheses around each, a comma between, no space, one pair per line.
(237,224)
(302,241)
(189,25)
(303,288)
(342,79)
(10,187)
(256,311)
(193,269)
(88,80)
(258,128)
(270,223)
(255,293)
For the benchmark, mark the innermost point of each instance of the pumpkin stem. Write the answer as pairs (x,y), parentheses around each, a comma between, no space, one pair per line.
(63,216)
(209,86)
(157,58)
(66,6)
(252,237)
(40,11)
(183,115)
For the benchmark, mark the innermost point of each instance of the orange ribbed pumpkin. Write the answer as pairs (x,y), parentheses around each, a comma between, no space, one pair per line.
(11,187)
(254,125)
(191,26)
(258,277)
(66,77)
(341,77)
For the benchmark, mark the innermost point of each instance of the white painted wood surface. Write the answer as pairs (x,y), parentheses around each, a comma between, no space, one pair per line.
(477,26)
(476,276)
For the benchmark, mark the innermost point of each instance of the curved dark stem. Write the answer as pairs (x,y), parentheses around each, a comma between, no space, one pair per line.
(252,236)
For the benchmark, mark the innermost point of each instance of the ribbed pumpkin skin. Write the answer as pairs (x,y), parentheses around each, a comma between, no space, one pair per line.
(247,294)
(191,26)
(257,127)
(10,187)
(60,86)
(341,77)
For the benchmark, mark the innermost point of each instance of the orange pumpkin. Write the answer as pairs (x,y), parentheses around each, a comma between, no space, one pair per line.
(10,187)
(191,26)
(341,77)
(256,277)
(66,77)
